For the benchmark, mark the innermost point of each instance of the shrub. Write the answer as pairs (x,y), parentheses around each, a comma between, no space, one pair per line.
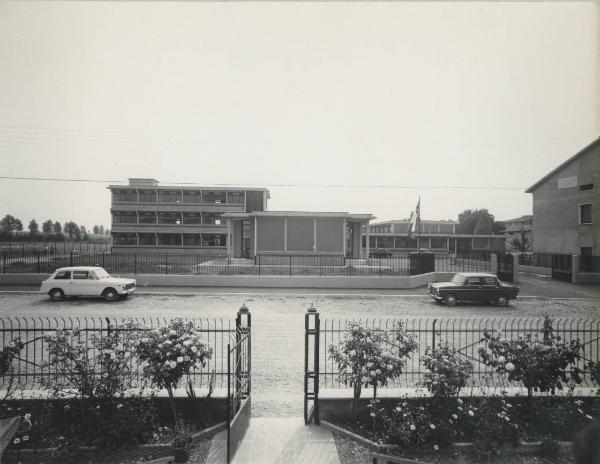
(7,369)
(170,353)
(446,373)
(371,357)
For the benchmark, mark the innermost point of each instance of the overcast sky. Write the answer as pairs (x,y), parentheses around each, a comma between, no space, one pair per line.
(466,94)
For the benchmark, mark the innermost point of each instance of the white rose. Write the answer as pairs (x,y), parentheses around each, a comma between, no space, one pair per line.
(509,367)
(180,359)
(501,359)
(194,349)
(173,364)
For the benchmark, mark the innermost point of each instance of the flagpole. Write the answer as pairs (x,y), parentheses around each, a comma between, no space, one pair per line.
(419,226)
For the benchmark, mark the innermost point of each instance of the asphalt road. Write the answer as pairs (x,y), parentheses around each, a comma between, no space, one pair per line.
(278,324)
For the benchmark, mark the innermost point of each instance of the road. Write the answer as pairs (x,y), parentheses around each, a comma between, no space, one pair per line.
(278,324)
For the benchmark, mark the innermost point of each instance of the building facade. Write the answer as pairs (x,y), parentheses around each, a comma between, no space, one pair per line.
(436,236)
(295,233)
(149,217)
(566,205)
(518,231)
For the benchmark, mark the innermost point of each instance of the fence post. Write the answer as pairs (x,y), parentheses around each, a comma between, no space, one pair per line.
(166,263)
(494,263)
(4,262)
(515,267)
(575,269)
(135,263)
(315,331)
(103,258)
(258,257)
(433,334)
(290,265)
(37,255)
(243,329)
(71,259)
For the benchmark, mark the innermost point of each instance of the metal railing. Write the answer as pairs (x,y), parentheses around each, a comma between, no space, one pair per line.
(589,263)
(464,335)
(261,265)
(32,364)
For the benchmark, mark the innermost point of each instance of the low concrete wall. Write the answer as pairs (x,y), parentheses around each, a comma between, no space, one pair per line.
(157,280)
(587,278)
(535,270)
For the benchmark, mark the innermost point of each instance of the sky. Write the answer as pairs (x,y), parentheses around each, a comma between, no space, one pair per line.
(489,95)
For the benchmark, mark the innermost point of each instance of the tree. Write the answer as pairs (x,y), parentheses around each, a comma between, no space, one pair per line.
(57,228)
(483,225)
(47,227)
(34,228)
(8,224)
(520,242)
(19,225)
(106,231)
(101,230)
(83,233)
(96,230)
(72,230)
(470,218)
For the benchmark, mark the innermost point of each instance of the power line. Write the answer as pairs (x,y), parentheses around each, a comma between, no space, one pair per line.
(342,186)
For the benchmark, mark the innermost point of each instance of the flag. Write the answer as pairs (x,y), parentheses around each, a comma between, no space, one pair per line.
(415,218)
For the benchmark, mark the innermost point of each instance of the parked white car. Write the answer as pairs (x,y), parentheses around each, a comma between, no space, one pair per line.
(86,281)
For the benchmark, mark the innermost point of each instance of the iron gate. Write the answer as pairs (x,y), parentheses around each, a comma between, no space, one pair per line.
(239,382)
(505,267)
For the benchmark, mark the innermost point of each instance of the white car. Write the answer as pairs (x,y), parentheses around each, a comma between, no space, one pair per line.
(86,281)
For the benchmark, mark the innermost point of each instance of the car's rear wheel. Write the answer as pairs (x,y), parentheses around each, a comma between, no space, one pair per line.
(502,300)
(450,299)
(110,294)
(56,294)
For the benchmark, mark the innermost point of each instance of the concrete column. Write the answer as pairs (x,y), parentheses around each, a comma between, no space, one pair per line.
(228,239)
(285,234)
(315,235)
(255,235)
(344,238)
(515,269)
(367,241)
(575,269)
(494,262)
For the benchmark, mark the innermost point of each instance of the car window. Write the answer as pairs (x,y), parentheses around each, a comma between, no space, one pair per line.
(471,281)
(63,275)
(80,275)
(100,274)
(489,281)
(458,280)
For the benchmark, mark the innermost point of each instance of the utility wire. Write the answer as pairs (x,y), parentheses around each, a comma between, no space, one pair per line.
(346,186)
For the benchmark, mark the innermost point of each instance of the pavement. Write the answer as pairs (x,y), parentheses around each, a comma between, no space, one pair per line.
(278,440)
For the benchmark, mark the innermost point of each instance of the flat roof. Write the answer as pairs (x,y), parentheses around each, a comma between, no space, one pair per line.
(576,156)
(429,221)
(300,214)
(188,187)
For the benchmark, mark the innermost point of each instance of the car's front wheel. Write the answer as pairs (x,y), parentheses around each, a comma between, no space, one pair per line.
(502,300)
(56,294)
(450,299)
(110,294)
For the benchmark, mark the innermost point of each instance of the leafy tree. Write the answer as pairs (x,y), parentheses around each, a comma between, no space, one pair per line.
(72,230)
(520,242)
(101,230)
(95,229)
(57,228)
(34,228)
(469,219)
(83,233)
(106,231)
(19,226)
(8,224)
(47,227)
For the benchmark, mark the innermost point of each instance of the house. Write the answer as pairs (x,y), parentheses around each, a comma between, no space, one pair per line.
(149,217)
(566,205)
(518,231)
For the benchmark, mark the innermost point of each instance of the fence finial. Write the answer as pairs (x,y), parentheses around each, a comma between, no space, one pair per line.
(244,308)
(311,308)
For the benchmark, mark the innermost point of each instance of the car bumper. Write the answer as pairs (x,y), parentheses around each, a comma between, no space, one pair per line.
(128,291)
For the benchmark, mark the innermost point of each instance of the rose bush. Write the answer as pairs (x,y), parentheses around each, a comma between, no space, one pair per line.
(446,372)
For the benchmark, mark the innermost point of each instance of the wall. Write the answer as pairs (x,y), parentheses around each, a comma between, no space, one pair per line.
(188,250)
(556,227)
(300,234)
(270,234)
(330,235)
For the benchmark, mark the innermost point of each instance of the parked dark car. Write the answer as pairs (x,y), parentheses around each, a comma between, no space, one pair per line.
(380,253)
(473,286)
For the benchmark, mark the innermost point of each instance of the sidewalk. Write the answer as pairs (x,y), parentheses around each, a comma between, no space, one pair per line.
(278,440)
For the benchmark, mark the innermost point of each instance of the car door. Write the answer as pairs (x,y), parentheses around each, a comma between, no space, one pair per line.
(80,283)
(472,289)
(489,288)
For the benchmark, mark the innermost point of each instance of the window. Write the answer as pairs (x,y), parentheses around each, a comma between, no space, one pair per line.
(125,238)
(586,251)
(585,214)
(124,218)
(192,218)
(438,242)
(147,196)
(211,218)
(169,196)
(213,197)
(147,239)
(168,218)
(473,281)
(489,281)
(80,275)
(125,195)
(169,239)
(585,187)
(192,240)
(63,275)
(213,240)
(235,198)
(385,242)
(192,196)
(147,217)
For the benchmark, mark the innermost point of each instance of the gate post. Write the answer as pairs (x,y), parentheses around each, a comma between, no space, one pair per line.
(243,327)
(311,329)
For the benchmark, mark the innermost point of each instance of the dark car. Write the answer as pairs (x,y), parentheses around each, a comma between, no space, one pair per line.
(473,286)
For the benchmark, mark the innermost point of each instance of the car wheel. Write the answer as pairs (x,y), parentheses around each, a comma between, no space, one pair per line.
(502,300)
(56,294)
(450,300)
(110,294)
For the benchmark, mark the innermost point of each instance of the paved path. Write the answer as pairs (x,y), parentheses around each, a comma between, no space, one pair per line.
(271,440)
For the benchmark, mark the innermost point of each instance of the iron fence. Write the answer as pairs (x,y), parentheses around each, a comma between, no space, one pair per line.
(536,259)
(32,365)
(588,263)
(464,335)
(262,265)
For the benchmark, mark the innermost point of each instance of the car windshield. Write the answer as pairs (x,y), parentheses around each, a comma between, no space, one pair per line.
(100,274)
(458,279)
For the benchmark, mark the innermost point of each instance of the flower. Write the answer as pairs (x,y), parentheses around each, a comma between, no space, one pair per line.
(180,359)
(16,441)
(471,413)
(25,437)
(589,417)
(501,359)
(398,408)
(173,364)
(412,427)
(432,427)
(119,406)
(436,447)
(509,367)
(454,416)
(27,416)
(459,401)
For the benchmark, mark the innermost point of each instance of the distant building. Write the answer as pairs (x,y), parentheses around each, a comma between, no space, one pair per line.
(296,233)
(566,205)
(149,217)
(436,236)
(520,229)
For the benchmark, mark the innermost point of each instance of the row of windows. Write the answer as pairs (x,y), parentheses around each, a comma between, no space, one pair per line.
(405,242)
(401,228)
(163,217)
(178,196)
(170,239)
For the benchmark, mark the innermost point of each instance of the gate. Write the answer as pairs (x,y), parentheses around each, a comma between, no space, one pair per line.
(505,267)
(238,382)
(562,267)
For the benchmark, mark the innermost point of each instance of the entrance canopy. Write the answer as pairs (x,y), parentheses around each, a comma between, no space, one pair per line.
(295,233)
